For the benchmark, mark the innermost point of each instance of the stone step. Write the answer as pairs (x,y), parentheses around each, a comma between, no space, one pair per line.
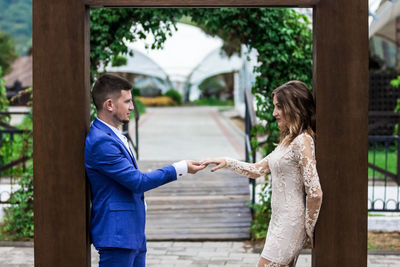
(204,206)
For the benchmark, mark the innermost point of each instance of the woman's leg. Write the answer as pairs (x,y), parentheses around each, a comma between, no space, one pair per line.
(293,263)
(266,263)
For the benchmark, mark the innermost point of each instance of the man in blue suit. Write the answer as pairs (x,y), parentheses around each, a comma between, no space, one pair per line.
(118,209)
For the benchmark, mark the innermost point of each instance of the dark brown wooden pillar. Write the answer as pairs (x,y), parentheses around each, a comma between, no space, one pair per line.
(61,119)
(341,83)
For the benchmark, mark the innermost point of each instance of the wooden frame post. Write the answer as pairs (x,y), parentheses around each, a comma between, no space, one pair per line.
(61,121)
(341,82)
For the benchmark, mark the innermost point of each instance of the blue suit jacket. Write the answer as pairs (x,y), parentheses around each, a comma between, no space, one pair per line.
(117,187)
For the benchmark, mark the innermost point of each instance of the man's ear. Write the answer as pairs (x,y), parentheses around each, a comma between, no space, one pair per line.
(108,105)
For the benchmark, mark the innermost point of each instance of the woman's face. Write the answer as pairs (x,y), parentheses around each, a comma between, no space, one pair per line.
(278,113)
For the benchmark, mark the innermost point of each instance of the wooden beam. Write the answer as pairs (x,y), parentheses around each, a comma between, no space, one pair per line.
(61,120)
(341,84)
(201,3)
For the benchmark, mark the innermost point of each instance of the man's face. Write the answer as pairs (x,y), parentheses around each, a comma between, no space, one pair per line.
(122,107)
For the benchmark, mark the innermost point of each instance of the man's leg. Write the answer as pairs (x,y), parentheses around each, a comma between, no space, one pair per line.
(140,259)
(116,257)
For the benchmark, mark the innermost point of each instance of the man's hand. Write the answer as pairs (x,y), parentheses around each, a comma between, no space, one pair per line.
(220,162)
(194,166)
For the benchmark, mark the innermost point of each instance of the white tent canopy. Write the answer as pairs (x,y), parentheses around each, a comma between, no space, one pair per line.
(384,22)
(216,62)
(139,63)
(181,52)
(213,64)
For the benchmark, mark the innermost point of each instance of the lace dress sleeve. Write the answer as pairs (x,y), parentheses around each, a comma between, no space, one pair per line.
(312,186)
(252,170)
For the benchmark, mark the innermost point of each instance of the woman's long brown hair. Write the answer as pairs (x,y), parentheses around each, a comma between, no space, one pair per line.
(298,109)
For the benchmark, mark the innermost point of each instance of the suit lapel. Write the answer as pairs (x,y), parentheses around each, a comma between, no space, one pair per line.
(105,128)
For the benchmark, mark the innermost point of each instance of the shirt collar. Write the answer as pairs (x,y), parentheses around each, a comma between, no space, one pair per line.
(117,131)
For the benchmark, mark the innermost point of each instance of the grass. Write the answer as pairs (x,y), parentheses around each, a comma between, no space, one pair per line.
(212,102)
(380,161)
(376,241)
(384,240)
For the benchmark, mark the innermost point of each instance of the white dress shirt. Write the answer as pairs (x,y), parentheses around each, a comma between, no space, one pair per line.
(180,166)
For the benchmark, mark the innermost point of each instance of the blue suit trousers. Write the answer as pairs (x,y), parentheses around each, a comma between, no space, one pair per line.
(119,257)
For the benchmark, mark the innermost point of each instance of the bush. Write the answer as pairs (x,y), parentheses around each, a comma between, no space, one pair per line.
(136,92)
(262,214)
(18,219)
(212,101)
(174,95)
(117,61)
(159,101)
(4,103)
(141,107)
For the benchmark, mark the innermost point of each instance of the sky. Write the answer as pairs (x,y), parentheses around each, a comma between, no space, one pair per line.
(182,52)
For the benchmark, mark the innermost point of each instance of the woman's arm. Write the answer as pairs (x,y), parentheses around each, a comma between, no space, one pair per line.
(312,186)
(252,170)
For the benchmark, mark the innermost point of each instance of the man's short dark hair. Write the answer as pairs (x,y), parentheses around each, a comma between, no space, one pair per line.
(108,86)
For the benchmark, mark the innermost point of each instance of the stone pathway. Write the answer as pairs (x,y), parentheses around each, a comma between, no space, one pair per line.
(204,206)
(193,254)
(187,133)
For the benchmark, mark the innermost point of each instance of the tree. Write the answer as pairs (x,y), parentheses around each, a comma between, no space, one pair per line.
(16,20)
(281,36)
(7,52)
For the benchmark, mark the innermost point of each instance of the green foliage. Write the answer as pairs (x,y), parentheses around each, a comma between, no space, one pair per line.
(212,101)
(119,61)
(16,19)
(396,83)
(262,213)
(4,104)
(18,219)
(383,157)
(281,36)
(212,86)
(175,95)
(7,52)
(111,26)
(140,106)
(136,92)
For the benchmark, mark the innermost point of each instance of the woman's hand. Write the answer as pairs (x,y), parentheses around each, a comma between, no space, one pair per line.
(220,162)
(311,239)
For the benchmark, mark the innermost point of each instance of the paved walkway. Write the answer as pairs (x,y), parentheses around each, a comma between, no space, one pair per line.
(188,142)
(204,206)
(187,133)
(193,254)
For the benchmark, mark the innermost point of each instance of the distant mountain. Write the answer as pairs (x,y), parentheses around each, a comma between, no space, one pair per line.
(16,20)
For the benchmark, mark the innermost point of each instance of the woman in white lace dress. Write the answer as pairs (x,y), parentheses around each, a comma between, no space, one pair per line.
(296,191)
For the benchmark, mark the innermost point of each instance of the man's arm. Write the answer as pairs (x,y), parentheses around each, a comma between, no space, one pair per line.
(110,161)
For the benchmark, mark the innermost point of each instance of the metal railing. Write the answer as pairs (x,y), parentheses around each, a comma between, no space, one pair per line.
(250,121)
(12,162)
(125,131)
(384,174)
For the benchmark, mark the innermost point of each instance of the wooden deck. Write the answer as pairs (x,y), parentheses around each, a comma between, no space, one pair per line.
(204,206)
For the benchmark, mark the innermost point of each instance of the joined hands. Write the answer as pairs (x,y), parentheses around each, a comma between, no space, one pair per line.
(195,166)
